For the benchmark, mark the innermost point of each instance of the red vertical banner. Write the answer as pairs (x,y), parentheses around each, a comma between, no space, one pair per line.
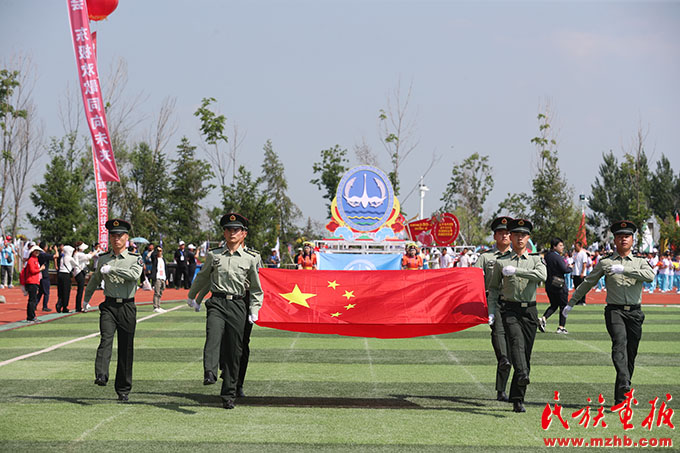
(102,205)
(581,235)
(100,186)
(88,76)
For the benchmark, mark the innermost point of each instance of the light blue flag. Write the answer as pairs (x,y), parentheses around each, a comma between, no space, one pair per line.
(359,262)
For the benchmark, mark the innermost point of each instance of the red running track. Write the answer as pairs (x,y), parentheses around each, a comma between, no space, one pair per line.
(14,309)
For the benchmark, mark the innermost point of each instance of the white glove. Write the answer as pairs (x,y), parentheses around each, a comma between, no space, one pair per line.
(192,303)
(252,318)
(492,318)
(106,268)
(197,307)
(509,270)
(566,310)
(616,269)
(87,307)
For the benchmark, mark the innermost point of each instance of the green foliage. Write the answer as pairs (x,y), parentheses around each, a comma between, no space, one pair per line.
(245,196)
(550,206)
(669,233)
(664,189)
(149,182)
(621,191)
(470,185)
(331,168)
(212,125)
(285,212)
(59,199)
(188,188)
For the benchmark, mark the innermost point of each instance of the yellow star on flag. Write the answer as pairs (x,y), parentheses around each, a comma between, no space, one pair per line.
(336,314)
(350,306)
(333,284)
(297,297)
(348,294)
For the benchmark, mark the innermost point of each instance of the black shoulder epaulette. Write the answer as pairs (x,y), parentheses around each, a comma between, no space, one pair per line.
(105,253)
(252,252)
(213,249)
(134,253)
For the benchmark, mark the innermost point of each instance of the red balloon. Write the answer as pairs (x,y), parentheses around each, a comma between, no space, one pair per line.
(100,9)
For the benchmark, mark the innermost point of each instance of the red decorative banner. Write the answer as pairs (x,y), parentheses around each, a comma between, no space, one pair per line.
(439,230)
(379,304)
(446,229)
(88,76)
(421,230)
(102,205)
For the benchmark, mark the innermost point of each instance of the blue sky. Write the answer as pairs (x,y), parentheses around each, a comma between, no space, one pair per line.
(312,74)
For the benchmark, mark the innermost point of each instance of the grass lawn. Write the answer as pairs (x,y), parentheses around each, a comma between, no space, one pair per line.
(323,393)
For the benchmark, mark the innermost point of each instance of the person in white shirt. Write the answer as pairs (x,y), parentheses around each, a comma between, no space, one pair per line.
(435,254)
(80,271)
(446,260)
(579,274)
(158,278)
(668,273)
(464,260)
(653,261)
(66,266)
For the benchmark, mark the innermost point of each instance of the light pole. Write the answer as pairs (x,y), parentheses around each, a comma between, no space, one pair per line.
(422,188)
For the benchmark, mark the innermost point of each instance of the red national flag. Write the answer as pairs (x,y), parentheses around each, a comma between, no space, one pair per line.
(380,304)
(581,235)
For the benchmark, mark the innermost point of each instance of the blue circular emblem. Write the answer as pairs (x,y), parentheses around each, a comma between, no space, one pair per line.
(365,198)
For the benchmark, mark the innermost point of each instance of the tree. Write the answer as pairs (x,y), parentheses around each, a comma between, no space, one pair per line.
(187,190)
(622,190)
(331,168)
(245,196)
(276,186)
(552,199)
(470,185)
(58,199)
(212,129)
(22,142)
(664,197)
(550,206)
(396,131)
(149,182)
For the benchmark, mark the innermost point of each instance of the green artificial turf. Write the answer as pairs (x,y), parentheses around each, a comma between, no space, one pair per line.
(322,392)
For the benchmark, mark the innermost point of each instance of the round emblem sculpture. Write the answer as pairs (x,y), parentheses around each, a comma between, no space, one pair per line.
(365,198)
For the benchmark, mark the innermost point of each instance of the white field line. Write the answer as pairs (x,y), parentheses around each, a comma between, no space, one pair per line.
(455,359)
(370,366)
(286,355)
(66,343)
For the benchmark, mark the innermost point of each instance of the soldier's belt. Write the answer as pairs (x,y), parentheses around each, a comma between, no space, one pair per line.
(624,307)
(118,300)
(521,304)
(226,296)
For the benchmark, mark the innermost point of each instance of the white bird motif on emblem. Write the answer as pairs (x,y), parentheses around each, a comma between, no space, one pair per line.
(364,200)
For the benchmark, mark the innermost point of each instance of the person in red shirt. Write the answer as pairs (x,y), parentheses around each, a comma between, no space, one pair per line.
(31,281)
(308,258)
(412,261)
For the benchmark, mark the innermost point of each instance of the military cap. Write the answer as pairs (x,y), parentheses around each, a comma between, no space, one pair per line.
(118,226)
(623,227)
(234,220)
(500,223)
(520,226)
